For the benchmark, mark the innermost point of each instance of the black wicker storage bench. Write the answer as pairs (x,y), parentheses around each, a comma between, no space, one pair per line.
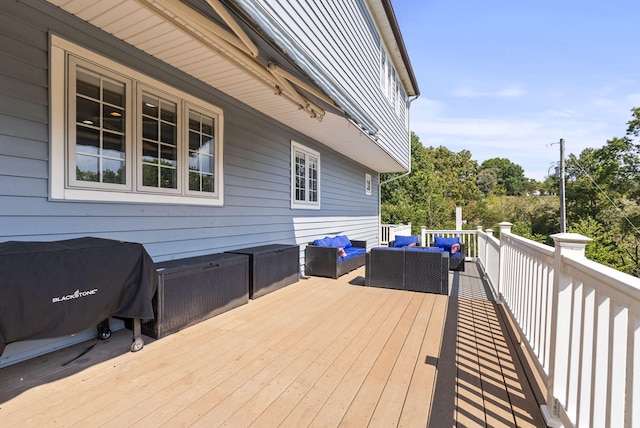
(320,260)
(408,268)
(193,289)
(271,267)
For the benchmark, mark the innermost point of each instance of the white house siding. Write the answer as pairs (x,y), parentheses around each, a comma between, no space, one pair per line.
(338,35)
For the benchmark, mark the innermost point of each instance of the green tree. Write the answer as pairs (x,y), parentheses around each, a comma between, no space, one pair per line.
(510,175)
(439,181)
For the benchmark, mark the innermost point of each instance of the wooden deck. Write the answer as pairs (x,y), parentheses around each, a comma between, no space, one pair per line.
(321,352)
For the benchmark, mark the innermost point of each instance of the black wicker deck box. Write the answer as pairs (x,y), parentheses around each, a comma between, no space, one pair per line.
(193,289)
(271,267)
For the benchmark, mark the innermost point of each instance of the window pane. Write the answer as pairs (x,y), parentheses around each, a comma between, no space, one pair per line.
(113,145)
(207,183)
(168,133)
(149,128)
(87,111)
(193,161)
(149,152)
(87,84)
(208,146)
(87,140)
(113,93)
(87,168)
(207,125)
(149,175)
(194,121)
(168,155)
(149,105)
(168,178)
(206,164)
(168,112)
(113,171)
(194,181)
(113,118)
(194,141)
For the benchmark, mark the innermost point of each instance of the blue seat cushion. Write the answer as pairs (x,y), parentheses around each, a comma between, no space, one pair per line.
(426,249)
(352,252)
(405,241)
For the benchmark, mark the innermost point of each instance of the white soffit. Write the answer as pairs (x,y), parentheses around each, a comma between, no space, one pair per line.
(139,26)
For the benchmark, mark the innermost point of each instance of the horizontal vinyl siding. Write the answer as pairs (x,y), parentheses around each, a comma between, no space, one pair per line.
(256,161)
(338,37)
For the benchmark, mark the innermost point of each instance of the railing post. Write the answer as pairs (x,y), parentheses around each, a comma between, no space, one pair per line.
(573,245)
(505,228)
(423,236)
(489,233)
(479,254)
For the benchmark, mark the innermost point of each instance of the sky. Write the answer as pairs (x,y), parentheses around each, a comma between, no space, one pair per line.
(508,79)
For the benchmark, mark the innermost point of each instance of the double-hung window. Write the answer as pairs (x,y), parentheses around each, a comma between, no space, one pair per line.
(305,177)
(118,135)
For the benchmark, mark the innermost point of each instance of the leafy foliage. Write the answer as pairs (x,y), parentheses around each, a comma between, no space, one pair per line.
(602,195)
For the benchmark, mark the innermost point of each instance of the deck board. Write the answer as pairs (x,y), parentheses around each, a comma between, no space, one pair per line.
(320,352)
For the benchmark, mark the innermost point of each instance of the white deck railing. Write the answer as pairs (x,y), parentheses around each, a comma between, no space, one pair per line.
(579,320)
(467,237)
(388,232)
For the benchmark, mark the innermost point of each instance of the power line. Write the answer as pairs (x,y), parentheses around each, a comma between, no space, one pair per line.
(584,171)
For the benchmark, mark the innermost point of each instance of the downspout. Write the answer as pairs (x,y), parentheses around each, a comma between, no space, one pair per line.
(411,100)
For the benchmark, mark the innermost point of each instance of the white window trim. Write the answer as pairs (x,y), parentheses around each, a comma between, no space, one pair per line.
(59,188)
(367,184)
(315,205)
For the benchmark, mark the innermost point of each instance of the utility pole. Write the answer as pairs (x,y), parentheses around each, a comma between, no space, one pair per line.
(563,210)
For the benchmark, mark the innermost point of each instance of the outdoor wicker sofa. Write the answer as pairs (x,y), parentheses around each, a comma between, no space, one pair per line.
(322,256)
(421,269)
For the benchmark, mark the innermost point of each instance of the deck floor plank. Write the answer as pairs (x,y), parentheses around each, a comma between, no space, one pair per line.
(420,390)
(310,366)
(339,387)
(320,352)
(326,397)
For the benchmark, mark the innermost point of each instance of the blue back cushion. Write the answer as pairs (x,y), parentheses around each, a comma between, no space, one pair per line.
(346,243)
(320,242)
(445,243)
(336,242)
(403,241)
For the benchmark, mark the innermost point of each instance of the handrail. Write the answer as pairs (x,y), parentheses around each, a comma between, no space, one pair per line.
(578,319)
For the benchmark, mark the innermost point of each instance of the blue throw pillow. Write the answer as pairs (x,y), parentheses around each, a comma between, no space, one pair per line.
(445,243)
(405,241)
(320,242)
(334,242)
(346,243)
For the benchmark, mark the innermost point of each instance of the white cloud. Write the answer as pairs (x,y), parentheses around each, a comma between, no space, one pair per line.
(564,113)
(508,92)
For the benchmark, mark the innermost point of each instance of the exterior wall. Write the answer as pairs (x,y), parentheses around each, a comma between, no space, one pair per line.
(342,39)
(256,161)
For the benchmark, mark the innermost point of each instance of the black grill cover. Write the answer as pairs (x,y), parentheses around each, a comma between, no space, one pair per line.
(52,289)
